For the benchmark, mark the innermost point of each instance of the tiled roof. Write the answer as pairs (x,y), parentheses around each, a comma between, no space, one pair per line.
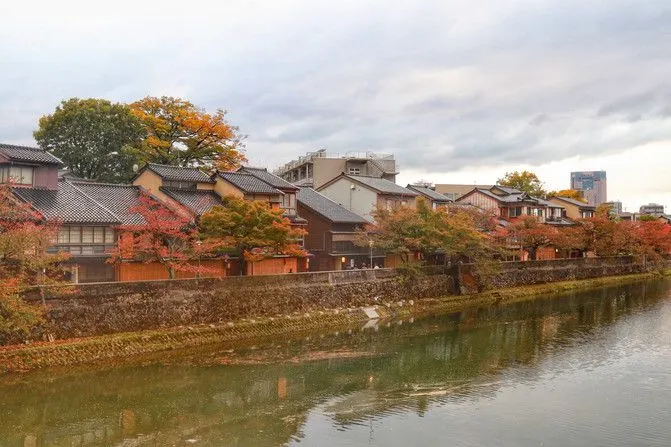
(510,198)
(270,178)
(430,193)
(381,185)
(507,189)
(575,202)
(27,154)
(116,198)
(178,173)
(67,204)
(199,201)
(248,183)
(327,207)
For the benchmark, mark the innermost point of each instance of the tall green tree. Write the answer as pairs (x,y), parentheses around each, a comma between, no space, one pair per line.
(524,181)
(92,137)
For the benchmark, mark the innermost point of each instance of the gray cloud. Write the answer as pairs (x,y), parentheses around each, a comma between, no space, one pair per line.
(442,84)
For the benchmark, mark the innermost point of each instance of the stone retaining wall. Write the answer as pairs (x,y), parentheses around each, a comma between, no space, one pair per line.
(105,308)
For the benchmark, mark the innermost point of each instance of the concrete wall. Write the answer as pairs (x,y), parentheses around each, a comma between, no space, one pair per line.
(103,308)
(359,200)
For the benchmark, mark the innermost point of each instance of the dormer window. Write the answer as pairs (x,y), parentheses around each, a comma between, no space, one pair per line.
(20,175)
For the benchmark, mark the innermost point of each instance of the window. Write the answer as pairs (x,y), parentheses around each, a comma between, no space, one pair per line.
(515,211)
(22,175)
(63,235)
(178,184)
(79,240)
(354,171)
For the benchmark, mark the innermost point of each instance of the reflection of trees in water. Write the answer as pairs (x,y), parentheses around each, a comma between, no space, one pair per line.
(436,359)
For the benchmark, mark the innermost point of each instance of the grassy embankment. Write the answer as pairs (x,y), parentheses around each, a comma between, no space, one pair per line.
(251,330)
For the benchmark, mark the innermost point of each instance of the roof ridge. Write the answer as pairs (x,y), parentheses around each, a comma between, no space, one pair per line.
(93,182)
(172,166)
(94,200)
(32,148)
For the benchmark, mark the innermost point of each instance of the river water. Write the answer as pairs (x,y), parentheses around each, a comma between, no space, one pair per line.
(585,369)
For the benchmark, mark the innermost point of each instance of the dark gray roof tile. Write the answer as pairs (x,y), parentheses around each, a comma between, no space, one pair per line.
(327,207)
(67,204)
(118,199)
(270,178)
(199,202)
(30,155)
(430,193)
(178,173)
(248,183)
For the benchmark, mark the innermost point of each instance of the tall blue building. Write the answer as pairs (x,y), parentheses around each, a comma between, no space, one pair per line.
(592,184)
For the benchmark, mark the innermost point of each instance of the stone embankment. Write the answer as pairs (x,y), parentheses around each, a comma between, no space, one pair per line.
(111,320)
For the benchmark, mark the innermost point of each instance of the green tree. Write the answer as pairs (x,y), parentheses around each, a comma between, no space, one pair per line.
(92,137)
(524,181)
(181,134)
(251,229)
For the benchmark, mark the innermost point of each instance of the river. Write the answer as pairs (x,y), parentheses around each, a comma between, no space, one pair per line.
(585,369)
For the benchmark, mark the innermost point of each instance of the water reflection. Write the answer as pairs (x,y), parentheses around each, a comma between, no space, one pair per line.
(295,390)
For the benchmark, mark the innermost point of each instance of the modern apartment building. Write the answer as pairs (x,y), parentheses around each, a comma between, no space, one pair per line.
(651,208)
(592,184)
(317,168)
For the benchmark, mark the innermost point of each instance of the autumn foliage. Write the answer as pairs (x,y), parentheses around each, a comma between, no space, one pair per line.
(164,237)
(24,262)
(457,233)
(251,229)
(181,134)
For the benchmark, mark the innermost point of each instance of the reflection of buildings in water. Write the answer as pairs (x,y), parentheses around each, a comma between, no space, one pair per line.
(430,361)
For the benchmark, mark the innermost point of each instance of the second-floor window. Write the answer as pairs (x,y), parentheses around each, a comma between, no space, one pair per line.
(354,171)
(21,175)
(84,240)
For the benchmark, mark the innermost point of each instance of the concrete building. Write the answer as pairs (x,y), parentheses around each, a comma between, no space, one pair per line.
(652,208)
(592,184)
(362,195)
(316,168)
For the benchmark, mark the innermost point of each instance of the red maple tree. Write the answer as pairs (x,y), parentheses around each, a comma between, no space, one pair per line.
(25,237)
(164,237)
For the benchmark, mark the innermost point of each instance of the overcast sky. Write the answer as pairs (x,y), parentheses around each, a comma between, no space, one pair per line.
(460,91)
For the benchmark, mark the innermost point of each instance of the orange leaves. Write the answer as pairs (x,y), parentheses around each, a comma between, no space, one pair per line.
(164,237)
(181,134)
(251,228)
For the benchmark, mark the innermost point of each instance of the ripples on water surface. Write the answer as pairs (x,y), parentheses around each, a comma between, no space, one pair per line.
(587,369)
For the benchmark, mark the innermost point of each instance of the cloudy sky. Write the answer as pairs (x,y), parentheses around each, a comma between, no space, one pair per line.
(461,91)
